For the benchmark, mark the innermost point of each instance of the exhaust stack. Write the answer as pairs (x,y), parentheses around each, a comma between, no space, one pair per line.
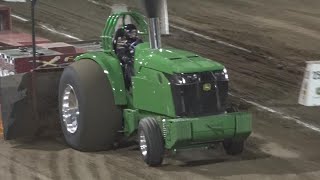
(154,33)
(152,8)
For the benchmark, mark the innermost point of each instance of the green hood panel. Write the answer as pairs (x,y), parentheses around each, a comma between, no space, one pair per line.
(172,60)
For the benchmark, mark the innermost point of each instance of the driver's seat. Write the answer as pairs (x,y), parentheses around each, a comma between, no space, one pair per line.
(119,33)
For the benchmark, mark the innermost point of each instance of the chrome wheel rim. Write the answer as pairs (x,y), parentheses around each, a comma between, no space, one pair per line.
(70,109)
(143,144)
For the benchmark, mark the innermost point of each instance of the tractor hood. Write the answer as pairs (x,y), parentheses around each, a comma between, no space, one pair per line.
(172,60)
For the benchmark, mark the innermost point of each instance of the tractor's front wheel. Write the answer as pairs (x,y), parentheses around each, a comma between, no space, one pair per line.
(151,141)
(233,147)
(90,119)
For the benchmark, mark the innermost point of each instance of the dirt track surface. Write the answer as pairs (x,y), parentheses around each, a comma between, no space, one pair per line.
(281,36)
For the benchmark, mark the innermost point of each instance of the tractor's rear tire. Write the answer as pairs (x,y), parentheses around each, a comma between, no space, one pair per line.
(151,141)
(87,106)
(233,147)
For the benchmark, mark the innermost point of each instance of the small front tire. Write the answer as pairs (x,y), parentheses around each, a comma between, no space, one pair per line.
(233,147)
(151,141)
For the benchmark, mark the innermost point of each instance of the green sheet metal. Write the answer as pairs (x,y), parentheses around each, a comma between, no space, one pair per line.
(202,130)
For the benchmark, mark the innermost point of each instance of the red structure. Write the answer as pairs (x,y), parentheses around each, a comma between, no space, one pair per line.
(16,49)
(9,38)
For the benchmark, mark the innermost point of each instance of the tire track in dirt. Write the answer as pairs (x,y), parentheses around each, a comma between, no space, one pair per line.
(93,167)
(64,165)
(12,167)
(72,164)
(103,170)
(53,165)
(35,159)
(16,164)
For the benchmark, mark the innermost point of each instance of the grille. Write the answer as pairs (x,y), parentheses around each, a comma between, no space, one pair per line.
(199,94)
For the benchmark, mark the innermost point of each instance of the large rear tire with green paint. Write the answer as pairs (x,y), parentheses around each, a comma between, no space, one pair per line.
(151,141)
(90,119)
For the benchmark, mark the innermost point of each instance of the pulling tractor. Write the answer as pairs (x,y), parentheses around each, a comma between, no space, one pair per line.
(175,99)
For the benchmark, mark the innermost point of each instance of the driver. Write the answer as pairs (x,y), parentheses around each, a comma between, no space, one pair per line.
(125,50)
(129,40)
(131,34)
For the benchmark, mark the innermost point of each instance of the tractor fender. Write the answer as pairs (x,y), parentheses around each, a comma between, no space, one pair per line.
(112,68)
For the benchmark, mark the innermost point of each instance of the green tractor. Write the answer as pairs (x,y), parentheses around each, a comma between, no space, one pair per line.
(173,99)
(168,98)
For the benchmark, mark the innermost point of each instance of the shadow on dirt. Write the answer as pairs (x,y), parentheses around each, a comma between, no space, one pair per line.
(199,157)
(43,143)
(254,160)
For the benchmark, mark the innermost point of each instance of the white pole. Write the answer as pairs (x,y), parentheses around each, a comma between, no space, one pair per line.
(164,19)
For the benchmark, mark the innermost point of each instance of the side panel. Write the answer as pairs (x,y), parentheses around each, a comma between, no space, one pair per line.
(217,128)
(113,71)
(243,125)
(131,121)
(22,65)
(184,132)
(152,93)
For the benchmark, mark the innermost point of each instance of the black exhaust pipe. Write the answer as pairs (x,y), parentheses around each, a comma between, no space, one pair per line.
(152,8)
